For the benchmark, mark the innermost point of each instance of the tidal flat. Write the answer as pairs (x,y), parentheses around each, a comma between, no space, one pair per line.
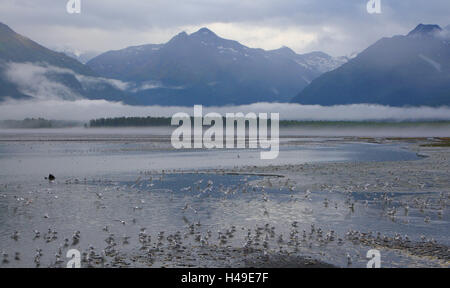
(127,199)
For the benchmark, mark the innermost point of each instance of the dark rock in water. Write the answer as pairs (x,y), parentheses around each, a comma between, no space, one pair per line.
(51,177)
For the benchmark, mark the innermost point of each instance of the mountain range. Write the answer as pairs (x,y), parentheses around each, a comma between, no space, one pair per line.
(203,68)
(409,70)
(200,68)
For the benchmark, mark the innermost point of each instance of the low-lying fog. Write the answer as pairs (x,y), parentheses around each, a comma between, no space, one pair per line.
(84,110)
(420,130)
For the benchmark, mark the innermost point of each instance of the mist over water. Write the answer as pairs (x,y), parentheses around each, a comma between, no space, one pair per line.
(85,110)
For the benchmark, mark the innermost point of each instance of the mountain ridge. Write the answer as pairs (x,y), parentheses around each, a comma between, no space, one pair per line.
(17,48)
(210,70)
(410,70)
(29,70)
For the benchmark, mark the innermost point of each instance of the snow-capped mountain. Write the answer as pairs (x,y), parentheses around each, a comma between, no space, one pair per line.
(82,57)
(200,68)
(203,68)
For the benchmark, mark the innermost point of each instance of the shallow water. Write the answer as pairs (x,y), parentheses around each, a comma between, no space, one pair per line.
(80,154)
(103,182)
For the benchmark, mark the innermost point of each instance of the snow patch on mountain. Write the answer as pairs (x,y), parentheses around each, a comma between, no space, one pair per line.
(430,61)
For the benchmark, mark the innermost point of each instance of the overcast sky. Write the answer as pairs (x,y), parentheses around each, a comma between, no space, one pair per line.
(338,27)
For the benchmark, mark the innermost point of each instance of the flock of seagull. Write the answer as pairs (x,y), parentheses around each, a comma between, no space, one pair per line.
(262,240)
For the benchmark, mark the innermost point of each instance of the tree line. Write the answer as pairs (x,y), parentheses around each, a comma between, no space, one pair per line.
(130,122)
